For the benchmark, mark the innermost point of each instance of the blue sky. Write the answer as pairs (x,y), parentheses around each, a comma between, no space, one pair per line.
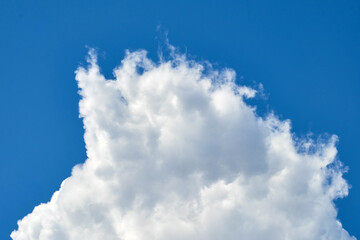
(305,53)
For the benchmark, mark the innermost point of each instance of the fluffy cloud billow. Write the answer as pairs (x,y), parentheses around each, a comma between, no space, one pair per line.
(175,153)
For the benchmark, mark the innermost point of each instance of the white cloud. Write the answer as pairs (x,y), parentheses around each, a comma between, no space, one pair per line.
(174,153)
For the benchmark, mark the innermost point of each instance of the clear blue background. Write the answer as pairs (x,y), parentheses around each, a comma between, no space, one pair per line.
(306,53)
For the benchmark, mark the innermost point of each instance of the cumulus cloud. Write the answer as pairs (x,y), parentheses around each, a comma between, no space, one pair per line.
(175,152)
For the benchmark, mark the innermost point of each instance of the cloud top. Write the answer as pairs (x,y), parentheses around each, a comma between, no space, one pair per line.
(174,152)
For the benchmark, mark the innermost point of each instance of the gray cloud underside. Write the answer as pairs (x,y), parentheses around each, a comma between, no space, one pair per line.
(174,153)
